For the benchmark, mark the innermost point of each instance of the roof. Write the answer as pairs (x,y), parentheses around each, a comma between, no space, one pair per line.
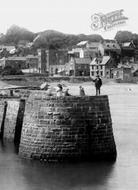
(8,48)
(127,44)
(82,60)
(104,60)
(12,51)
(82,43)
(16,58)
(110,41)
(31,56)
(71,52)
(93,44)
(113,46)
(124,66)
(110,44)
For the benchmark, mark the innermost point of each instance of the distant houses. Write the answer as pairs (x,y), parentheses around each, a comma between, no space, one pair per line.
(6,47)
(22,63)
(17,62)
(85,59)
(92,58)
(86,49)
(103,59)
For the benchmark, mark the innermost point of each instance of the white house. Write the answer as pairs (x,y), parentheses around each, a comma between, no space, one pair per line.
(102,66)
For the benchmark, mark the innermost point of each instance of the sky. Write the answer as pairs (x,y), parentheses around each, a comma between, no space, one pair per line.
(67,16)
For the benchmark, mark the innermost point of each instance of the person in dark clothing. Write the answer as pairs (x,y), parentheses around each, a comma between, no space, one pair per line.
(82,92)
(66,93)
(98,84)
(59,90)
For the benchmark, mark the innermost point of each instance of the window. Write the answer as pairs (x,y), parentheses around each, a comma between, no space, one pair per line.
(92,73)
(56,71)
(101,67)
(92,67)
(101,73)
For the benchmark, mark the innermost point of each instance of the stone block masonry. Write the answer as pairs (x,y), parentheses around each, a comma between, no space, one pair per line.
(3,109)
(67,128)
(10,119)
(11,116)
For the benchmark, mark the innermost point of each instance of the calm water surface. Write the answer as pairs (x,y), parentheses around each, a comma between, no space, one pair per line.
(18,174)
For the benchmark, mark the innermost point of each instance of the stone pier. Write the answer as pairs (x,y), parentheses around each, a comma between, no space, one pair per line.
(67,128)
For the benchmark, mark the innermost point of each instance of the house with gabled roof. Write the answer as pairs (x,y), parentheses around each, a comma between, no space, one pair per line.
(129,45)
(102,66)
(109,48)
(128,52)
(85,49)
(82,44)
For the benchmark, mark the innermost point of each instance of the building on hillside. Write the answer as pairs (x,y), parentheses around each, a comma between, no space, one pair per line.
(93,49)
(52,61)
(77,52)
(128,52)
(85,49)
(102,66)
(26,64)
(7,51)
(15,62)
(110,48)
(78,67)
(8,48)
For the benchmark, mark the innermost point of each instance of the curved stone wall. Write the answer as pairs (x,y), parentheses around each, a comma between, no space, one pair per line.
(67,128)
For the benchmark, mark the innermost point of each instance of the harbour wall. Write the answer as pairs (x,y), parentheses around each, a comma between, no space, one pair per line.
(67,128)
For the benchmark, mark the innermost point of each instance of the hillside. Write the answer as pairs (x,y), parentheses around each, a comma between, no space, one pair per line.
(46,39)
(16,35)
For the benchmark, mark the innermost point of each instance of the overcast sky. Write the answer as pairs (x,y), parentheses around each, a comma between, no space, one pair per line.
(68,16)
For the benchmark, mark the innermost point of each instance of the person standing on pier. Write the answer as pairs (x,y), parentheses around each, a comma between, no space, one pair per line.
(82,92)
(59,90)
(98,84)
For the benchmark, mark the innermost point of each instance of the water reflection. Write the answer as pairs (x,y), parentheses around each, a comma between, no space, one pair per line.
(68,176)
(19,174)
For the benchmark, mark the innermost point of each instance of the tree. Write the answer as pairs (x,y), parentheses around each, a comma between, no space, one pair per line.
(15,34)
(126,36)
